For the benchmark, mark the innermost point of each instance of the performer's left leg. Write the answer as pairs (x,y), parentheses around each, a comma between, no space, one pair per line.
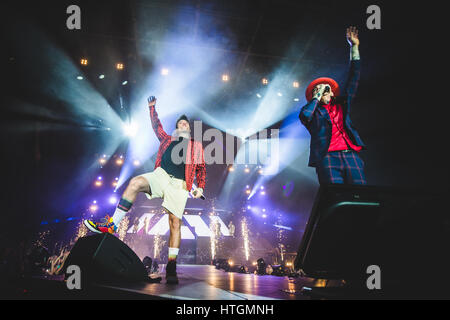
(175,233)
(174,246)
(331,169)
(354,169)
(111,224)
(175,198)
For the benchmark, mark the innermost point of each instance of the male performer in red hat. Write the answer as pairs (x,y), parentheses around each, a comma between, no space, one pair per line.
(178,161)
(335,143)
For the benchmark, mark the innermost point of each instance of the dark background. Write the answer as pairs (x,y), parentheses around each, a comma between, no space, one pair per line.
(400,110)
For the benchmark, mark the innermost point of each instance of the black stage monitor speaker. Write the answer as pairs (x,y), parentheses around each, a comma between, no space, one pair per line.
(404,232)
(104,258)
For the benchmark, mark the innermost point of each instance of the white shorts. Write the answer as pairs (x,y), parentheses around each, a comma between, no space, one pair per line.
(171,190)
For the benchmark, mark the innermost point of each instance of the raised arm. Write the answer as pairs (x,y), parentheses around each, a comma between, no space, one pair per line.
(156,124)
(353,76)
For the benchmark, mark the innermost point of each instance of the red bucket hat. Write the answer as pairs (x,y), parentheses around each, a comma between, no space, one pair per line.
(333,84)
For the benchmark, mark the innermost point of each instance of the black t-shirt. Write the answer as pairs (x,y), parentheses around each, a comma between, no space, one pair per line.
(167,161)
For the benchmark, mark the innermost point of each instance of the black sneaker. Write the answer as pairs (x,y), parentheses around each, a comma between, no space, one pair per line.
(171,272)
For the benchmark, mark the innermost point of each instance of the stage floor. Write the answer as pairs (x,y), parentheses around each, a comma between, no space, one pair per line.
(203,282)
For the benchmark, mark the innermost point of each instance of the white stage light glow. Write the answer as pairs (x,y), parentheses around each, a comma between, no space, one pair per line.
(130,129)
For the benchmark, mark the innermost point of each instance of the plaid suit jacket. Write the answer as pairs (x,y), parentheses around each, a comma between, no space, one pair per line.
(195,163)
(317,120)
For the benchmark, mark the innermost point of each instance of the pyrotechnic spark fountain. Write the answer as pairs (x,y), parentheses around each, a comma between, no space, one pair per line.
(81,230)
(41,238)
(157,246)
(281,237)
(123,228)
(246,238)
(213,226)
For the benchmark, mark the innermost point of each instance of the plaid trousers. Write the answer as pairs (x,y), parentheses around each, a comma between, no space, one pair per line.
(342,168)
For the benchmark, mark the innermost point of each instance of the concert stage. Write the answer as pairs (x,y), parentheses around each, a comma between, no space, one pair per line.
(206,283)
(196,282)
(202,282)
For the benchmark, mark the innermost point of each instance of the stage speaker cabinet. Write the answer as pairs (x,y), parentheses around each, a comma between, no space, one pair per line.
(405,232)
(103,258)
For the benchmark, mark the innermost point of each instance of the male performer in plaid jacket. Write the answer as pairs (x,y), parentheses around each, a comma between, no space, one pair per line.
(179,160)
(335,143)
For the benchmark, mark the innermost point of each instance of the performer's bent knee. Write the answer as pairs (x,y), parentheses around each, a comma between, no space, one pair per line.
(139,184)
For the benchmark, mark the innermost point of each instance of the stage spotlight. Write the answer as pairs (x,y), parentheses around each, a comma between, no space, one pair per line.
(243,269)
(84,62)
(296,84)
(279,94)
(119,66)
(248,191)
(102,76)
(102,161)
(130,129)
(296,99)
(264,216)
(114,184)
(222,264)
(98,183)
(225,78)
(136,163)
(119,162)
(80,78)
(125,83)
(282,227)
(246,170)
(230,262)
(164,71)
(264,81)
(261,266)
(231,169)
(93,208)
(260,171)
(112,200)
(278,270)
(258,95)
(263,193)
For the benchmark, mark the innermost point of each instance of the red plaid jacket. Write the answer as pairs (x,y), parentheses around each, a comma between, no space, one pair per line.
(195,163)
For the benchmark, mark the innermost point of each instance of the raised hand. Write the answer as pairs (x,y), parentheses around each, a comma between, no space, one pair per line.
(151,101)
(319,90)
(352,36)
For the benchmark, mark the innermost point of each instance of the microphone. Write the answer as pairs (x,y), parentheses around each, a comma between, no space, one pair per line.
(201,197)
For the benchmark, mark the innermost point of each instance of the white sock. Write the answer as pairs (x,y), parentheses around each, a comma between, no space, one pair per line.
(118,216)
(173,253)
